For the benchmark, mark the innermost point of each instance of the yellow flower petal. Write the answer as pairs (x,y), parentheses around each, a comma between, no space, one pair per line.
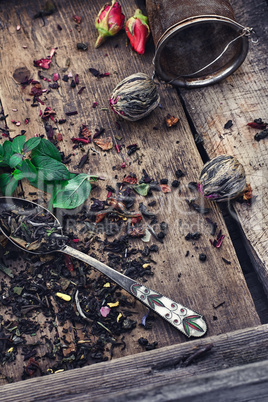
(107,285)
(145,265)
(63,296)
(119,316)
(113,304)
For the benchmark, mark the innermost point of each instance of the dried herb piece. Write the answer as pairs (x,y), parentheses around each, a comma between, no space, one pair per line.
(142,189)
(179,173)
(198,208)
(97,74)
(261,136)
(202,257)
(82,46)
(171,120)
(132,148)
(228,124)
(104,143)
(193,236)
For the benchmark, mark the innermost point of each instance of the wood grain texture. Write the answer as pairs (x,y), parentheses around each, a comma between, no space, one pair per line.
(202,286)
(154,370)
(241,98)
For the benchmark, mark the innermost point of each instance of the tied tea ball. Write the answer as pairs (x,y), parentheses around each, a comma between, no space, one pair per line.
(135,97)
(222,178)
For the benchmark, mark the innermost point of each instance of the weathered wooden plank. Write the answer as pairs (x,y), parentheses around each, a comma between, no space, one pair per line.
(215,289)
(246,383)
(156,369)
(241,98)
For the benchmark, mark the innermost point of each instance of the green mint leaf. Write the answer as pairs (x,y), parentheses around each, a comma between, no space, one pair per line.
(142,189)
(17,143)
(31,144)
(26,171)
(74,193)
(45,148)
(3,161)
(7,184)
(15,160)
(50,169)
(7,150)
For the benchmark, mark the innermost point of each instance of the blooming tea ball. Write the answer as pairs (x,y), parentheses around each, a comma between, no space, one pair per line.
(135,97)
(222,178)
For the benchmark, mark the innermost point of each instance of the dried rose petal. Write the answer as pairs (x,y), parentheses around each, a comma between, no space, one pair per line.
(81,140)
(130,179)
(105,310)
(86,132)
(43,63)
(55,77)
(104,143)
(165,188)
(77,19)
(81,90)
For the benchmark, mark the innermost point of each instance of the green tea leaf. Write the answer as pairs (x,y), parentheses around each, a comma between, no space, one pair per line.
(6,270)
(26,171)
(15,160)
(18,290)
(31,144)
(74,194)
(18,143)
(45,148)
(7,184)
(142,189)
(50,169)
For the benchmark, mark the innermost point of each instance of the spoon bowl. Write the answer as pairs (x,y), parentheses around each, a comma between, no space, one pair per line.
(182,318)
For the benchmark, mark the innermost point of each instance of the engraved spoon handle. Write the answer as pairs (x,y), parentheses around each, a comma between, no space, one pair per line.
(184,319)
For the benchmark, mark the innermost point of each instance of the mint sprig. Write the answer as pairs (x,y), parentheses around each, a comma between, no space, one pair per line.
(39,161)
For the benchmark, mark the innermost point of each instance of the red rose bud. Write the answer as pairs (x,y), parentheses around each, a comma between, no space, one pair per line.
(138,31)
(109,21)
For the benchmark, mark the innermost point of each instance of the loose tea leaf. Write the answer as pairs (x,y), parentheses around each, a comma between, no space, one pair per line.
(31,227)
(142,189)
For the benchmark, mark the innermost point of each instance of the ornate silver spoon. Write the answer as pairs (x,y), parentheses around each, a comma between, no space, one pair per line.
(183,318)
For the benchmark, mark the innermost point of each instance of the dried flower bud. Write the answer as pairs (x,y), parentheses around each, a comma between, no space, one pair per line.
(109,21)
(223,178)
(138,31)
(135,97)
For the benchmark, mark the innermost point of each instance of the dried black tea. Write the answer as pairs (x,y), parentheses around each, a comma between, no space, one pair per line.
(32,228)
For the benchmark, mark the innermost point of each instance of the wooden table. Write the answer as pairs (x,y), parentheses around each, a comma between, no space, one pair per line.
(233,304)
